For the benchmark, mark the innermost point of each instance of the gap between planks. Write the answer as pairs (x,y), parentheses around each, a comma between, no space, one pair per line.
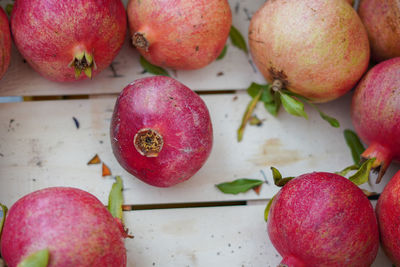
(77,97)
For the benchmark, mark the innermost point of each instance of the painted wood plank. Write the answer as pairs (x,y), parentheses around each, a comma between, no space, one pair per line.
(235,71)
(40,146)
(220,236)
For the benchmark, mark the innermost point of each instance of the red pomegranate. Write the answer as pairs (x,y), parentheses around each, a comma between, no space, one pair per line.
(68,40)
(388,214)
(160,131)
(5,43)
(376,114)
(382,21)
(323,219)
(72,224)
(179,34)
(316,48)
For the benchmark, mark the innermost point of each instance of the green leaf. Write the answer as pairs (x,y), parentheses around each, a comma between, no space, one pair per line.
(276,174)
(9,8)
(150,68)
(254,89)
(3,217)
(238,186)
(37,259)
(115,199)
(237,39)
(278,180)
(362,175)
(293,106)
(267,96)
(332,121)
(267,208)
(223,53)
(355,145)
(346,170)
(247,115)
(254,120)
(274,106)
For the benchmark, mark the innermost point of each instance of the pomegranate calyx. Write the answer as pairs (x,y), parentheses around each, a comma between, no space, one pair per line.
(83,61)
(383,157)
(148,142)
(139,41)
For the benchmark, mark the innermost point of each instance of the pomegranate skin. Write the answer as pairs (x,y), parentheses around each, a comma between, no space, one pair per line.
(323,219)
(178,114)
(5,43)
(375,113)
(388,214)
(72,224)
(381,19)
(63,29)
(316,48)
(180,34)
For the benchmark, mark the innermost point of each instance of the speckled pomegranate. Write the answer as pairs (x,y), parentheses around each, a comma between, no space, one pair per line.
(382,21)
(388,213)
(5,43)
(323,219)
(316,48)
(161,131)
(68,40)
(179,34)
(72,224)
(376,114)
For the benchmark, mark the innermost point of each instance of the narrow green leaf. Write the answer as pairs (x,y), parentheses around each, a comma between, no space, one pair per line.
(278,180)
(37,259)
(293,106)
(332,121)
(247,114)
(3,217)
(223,53)
(346,170)
(150,68)
(276,174)
(115,199)
(267,208)
(355,145)
(238,186)
(362,175)
(237,39)
(9,8)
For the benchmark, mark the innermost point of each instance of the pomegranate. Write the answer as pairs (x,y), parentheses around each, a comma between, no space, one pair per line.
(388,214)
(316,48)
(72,224)
(160,131)
(376,114)
(179,34)
(382,21)
(68,40)
(5,43)
(323,219)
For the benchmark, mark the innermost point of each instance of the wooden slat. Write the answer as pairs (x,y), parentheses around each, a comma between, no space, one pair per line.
(223,236)
(40,146)
(233,72)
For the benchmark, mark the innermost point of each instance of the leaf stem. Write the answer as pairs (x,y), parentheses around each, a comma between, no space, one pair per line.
(246,116)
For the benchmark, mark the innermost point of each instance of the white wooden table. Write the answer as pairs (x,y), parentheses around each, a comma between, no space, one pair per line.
(191,224)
